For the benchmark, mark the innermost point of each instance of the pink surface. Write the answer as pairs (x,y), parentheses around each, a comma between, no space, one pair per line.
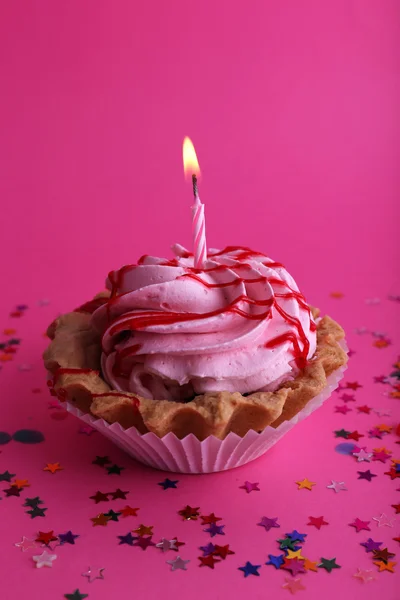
(293,108)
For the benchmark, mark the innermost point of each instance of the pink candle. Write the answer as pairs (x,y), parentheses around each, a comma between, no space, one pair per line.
(191,167)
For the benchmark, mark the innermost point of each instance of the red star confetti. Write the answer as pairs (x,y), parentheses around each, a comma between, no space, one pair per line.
(363,409)
(353,385)
(342,409)
(209,519)
(208,561)
(360,525)
(317,522)
(222,551)
(46,537)
(189,513)
(99,497)
(127,511)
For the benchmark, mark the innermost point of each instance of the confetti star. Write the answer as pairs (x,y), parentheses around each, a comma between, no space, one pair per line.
(363,455)
(396,539)
(287,544)
(144,530)
(45,537)
(86,430)
(166,545)
(393,473)
(144,542)
(33,502)
(168,484)
(383,520)
(250,487)
(208,549)
(276,561)
(347,397)
(296,536)
(293,585)
(128,511)
(336,295)
(366,475)
(99,497)
(178,563)
(353,385)
(13,491)
(370,545)
(67,538)
(383,554)
(363,409)
(364,575)
(113,516)
(101,461)
(381,379)
(94,573)
(305,484)
(384,428)
(101,520)
(354,435)
(385,566)
(342,409)
(177,543)
(223,551)
(53,467)
(329,564)
(250,569)
(114,470)
(6,476)
(375,433)
(380,454)
(208,561)
(37,512)
(25,544)
(126,539)
(396,508)
(294,565)
(21,483)
(76,595)
(209,519)
(215,529)
(360,525)
(317,521)
(268,523)
(310,565)
(189,513)
(291,554)
(119,494)
(342,433)
(44,560)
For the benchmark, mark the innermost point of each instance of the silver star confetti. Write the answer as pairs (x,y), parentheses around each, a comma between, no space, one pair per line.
(364,575)
(25,544)
(362,455)
(178,563)
(44,560)
(384,520)
(337,486)
(383,413)
(166,545)
(94,573)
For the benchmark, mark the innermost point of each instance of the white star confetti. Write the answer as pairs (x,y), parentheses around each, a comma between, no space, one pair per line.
(166,545)
(178,563)
(337,486)
(44,560)
(25,544)
(362,455)
(94,573)
(384,520)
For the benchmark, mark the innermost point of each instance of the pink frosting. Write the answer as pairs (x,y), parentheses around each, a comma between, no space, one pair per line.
(170,331)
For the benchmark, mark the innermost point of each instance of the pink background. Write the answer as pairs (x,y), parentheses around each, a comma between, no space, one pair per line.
(293,108)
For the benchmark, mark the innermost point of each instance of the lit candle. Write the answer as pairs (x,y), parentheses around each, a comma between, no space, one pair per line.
(191,168)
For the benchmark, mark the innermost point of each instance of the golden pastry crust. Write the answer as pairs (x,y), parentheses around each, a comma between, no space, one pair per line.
(73,359)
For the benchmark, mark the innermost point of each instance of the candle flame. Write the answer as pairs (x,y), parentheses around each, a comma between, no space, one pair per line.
(190,163)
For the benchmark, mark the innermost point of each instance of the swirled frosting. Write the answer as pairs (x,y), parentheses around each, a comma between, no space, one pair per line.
(170,331)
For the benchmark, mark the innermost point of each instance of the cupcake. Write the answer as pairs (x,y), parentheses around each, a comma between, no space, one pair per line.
(182,366)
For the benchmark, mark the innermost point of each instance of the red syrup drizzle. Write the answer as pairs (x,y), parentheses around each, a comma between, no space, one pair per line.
(143,319)
(61,392)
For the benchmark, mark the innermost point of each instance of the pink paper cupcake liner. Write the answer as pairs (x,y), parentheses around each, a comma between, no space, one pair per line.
(211,455)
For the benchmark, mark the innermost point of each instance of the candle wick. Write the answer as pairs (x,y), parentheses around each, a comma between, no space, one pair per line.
(195,188)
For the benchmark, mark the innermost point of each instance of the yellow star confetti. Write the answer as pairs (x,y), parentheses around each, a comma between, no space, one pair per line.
(297,554)
(305,484)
